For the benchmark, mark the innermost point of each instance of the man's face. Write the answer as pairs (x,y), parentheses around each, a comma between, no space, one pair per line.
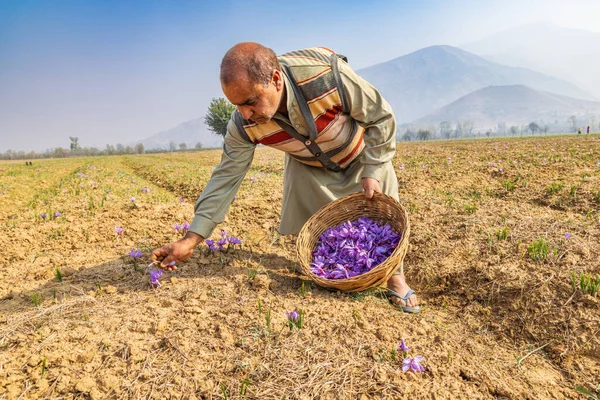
(256,102)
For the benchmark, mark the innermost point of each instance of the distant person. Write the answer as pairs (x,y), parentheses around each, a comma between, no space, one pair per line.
(338,133)
(588,130)
(579,131)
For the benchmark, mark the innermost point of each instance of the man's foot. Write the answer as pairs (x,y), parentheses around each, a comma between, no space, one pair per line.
(397,283)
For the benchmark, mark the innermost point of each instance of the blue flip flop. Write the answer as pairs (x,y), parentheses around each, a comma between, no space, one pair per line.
(391,293)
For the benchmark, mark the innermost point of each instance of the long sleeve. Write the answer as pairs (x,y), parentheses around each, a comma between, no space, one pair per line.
(213,203)
(373,113)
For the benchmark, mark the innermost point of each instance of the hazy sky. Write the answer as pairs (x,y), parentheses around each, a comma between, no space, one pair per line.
(118,71)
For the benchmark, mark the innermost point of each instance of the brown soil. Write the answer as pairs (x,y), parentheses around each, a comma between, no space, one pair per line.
(495,322)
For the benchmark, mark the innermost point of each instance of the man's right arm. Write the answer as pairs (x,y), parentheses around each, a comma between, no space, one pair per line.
(215,199)
(218,194)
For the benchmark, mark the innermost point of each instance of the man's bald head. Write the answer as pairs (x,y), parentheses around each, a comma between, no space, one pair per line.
(249,60)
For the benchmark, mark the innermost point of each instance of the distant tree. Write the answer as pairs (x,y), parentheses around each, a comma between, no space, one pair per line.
(110,149)
(545,128)
(488,133)
(120,148)
(74,143)
(424,134)
(128,150)
(468,127)
(139,148)
(198,145)
(182,146)
(408,135)
(573,121)
(59,152)
(513,130)
(172,146)
(446,129)
(502,128)
(218,115)
(533,127)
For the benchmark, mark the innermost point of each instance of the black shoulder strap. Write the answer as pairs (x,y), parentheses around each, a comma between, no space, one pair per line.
(333,61)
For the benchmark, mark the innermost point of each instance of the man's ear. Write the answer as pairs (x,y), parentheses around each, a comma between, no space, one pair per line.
(278,79)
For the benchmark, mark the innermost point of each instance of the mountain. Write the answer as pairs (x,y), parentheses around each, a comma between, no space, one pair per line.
(514,105)
(420,82)
(190,133)
(571,54)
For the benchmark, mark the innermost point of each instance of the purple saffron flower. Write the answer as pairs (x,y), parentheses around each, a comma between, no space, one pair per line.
(44,215)
(233,240)
(253,179)
(119,230)
(154,275)
(132,199)
(413,364)
(402,346)
(211,244)
(135,254)
(222,242)
(177,227)
(568,236)
(185,226)
(181,200)
(57,214)
(292,316)
(107,190)
(145,190)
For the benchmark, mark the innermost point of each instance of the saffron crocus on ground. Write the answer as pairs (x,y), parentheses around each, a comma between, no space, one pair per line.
(402,346)
(119,230)
(132,199)
(294,319)
(568,236)
(145,190)
(211,244)
(413,364)
(135,254)
(44,215)
(253,179)
(57,214)
(292,316)
(154,275)
(233,240)
(353,248)
(181,200)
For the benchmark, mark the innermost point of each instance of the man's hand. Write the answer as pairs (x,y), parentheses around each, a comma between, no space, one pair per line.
(370,186)
(176,251)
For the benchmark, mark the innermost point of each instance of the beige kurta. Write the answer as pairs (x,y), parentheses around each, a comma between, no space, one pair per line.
(307,188)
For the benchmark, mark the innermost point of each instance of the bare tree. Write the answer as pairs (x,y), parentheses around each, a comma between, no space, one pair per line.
(446,129)
(424,134)
(573,121)
(533,127)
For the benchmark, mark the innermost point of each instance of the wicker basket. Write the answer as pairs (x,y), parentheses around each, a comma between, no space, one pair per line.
(381,208)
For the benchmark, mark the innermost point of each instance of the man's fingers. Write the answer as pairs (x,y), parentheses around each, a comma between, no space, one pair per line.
(369,193)
(159,254)
(166,262)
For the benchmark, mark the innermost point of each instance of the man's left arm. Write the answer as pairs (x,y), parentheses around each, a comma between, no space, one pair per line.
(373,113)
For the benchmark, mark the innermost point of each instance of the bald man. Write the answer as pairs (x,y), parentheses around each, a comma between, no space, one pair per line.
(337,131)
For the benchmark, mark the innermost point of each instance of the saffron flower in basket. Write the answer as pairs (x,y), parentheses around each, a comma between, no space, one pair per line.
(353,248)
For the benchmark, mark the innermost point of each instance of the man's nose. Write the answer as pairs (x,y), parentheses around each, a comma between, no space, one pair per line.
(245,111)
